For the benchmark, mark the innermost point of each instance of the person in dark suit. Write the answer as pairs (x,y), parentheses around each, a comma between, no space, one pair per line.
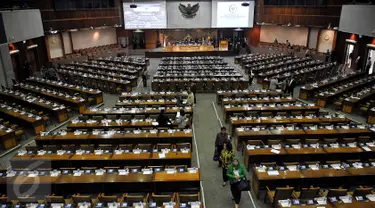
(291,85)
(193,88)
(368,64)
(163,119)
(144,78)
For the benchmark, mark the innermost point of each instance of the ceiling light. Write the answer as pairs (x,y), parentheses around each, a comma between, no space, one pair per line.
(245,4)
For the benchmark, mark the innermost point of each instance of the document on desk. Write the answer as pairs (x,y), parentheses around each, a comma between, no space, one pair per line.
(346,199)
(273,173)
(366,148)
(371,197)
(275,151)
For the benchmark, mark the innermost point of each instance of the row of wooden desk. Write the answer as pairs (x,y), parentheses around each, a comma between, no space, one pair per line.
(238,122)
(323,177)
(306,152)
(339,204)
(88,92)
(134,111)
(117,137)
(308,91)
(228,111)
(55,160)
(245,93)
(118,125)
(243,135)
(67,183)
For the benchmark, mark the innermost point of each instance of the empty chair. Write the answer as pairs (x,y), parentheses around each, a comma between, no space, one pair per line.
(83,118)
(31,149)
(69,148)
(140,117)
(179,168)
(311,141)
(52,148)
(274,142)
(55,199)
(77,198)
(133,168)
(106,147)
(362,191)
(330,140)
(111,117)
(278,194)
(160,146)
(125,147)
(186,198)
(180,146)
(159,199)
(147,147)
(337,192)
(110,198)
(306,193)
(131,198)
(87,147)
(281,113)
(293,141)
(98,118)
(27,200)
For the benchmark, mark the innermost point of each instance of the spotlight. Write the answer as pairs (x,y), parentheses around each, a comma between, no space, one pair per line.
(245,4)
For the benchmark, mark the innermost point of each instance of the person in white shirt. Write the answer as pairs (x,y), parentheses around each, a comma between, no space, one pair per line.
(181,119)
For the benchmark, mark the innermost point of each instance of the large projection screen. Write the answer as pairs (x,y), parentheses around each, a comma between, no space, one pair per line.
(358,19)
(231,14)
(147,15)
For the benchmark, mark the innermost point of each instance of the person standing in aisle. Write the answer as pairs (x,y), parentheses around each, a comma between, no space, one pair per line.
(226,157)
(190,98)
(221,138)
(236,172)
(144,78)
(193,88)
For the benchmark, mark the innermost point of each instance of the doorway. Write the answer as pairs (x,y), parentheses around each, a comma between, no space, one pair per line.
(32,57)
(349,52)
(139,40)
(370,59)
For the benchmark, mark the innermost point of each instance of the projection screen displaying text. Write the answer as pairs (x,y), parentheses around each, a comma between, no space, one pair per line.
(231,14)
(147,15)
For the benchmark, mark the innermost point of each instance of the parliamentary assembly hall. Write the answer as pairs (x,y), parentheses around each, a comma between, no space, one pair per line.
(187,104)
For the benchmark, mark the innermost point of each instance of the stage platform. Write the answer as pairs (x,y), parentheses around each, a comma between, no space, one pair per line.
(159,53)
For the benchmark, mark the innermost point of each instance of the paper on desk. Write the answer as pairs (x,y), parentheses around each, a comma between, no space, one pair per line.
(336,166)
(321,200)
(250,147)
(314,167)
(162,155)
(346,199)
(292,167)
(275,151)
(285,203)
(366,148)
(371,197)
(78,173)
(273,173)
(296,146)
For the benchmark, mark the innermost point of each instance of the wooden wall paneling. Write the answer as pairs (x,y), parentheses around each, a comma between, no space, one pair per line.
(151,38)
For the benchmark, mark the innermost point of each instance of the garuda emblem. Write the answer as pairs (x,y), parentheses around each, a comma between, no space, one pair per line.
(188,11)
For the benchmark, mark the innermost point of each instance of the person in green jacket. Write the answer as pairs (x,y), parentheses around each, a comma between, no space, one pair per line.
(236,172)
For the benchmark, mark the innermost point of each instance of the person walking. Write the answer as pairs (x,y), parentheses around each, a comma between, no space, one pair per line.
(236,172)
(163,119)
(190,98)
(181,119)
(193,88)
(251,77)
(226,157)
(221,138)
(144,78)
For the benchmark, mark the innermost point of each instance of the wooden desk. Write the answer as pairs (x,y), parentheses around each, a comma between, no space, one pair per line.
(323,177)
(188,48)
(282,121)
(8,138)
(308,91)
(221,94)
(119,112)
(97,95)
(228,111)
(348,104)
(56,161)
(257,101)
(148,95)
(323,154)
(115,125)
(264,135)
(143,103)
(38,124)
(60,113)
(65,184)
(76,103)
(117,138)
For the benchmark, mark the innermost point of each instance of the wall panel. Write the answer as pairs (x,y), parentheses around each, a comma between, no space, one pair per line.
(295,35)
(92,38)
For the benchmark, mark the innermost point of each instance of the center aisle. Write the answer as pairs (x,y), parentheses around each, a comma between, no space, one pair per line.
(206,127)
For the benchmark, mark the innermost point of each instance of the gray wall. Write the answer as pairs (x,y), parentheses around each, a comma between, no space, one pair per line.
(358,19)
(6,66)
(176,20)
(22,25)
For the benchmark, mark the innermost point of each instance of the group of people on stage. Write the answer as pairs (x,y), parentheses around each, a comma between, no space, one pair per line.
(232,169)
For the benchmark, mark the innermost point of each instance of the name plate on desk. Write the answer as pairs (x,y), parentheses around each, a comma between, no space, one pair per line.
(170,170)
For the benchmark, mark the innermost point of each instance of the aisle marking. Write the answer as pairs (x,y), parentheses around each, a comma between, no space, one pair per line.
(221,124)
(199,166)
